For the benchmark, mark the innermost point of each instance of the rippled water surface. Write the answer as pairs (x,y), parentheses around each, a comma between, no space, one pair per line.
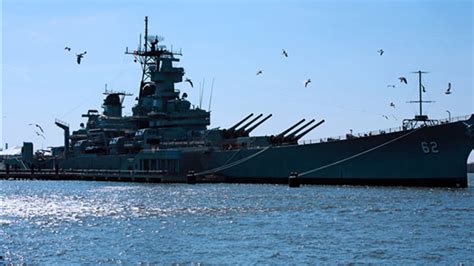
(100,222)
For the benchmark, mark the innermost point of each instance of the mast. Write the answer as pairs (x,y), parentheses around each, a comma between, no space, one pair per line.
(420,91)
(420,101)
(158,73)
(146,32)
(145,57)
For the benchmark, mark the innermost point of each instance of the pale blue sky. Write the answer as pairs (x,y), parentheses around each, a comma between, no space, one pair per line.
(334,43)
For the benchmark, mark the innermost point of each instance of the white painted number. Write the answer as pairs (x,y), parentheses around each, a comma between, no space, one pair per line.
(434,147)
(431,147)
(424,147)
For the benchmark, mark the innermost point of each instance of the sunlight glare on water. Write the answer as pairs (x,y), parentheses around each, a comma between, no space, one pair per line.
(99,222)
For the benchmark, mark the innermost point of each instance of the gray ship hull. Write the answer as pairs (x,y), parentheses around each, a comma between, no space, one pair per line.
(426,156)
(429,156)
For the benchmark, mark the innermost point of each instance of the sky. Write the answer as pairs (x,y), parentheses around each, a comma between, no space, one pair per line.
(334,43)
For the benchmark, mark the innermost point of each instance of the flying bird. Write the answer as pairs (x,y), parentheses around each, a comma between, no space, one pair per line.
(307,82)
(80,56)
(284,53)
(190,82)
(392,105)
(386,117)
(67,48)
(448,90)
(403,80)
(38,126)
(39,134)
(259,72)
(380,52)
(391,86)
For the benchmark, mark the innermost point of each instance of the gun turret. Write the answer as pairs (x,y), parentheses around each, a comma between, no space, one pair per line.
(291,135)
(249,123)
(297,137)
(258,124)
(279,136)
(232,128)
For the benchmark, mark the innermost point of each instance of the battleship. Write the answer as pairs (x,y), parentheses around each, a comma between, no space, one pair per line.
(169,138)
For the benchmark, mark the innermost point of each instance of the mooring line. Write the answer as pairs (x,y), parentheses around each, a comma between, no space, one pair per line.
(358,154)
(224,167)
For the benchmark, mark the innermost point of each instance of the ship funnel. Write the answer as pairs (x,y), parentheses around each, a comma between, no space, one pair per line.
(249,123)
(299,129)
(308,130)
(289,129)
(240,122)
(258,124)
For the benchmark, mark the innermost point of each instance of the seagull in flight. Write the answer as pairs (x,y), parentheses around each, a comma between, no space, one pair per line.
(190,82)
(67,48)
(381,51)
(39,134)
(403,80)
(259,72)
(284,53)
(307,82)
(392,105)
(448,90)
(80,56)
(38,126)
(391,86)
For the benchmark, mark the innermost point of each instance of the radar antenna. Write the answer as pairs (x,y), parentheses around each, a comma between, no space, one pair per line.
(150,55)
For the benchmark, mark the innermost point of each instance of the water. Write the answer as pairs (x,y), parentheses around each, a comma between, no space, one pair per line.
(100,222)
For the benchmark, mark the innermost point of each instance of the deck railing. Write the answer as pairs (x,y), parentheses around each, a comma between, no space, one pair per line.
(381,131)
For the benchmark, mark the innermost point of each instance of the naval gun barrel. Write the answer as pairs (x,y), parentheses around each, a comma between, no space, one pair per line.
(308,130)
(240,122)
(289,129)
(249,123)
(299,129)
(258,124)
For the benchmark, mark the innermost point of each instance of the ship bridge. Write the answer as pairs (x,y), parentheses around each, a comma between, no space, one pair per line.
(160,104)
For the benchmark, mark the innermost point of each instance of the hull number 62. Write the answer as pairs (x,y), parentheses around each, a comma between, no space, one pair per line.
(429,147)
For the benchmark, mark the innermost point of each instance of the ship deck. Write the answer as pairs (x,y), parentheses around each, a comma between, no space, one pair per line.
(380,131)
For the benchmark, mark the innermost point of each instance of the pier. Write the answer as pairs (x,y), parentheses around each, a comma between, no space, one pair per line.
(91,175)
(140,176)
